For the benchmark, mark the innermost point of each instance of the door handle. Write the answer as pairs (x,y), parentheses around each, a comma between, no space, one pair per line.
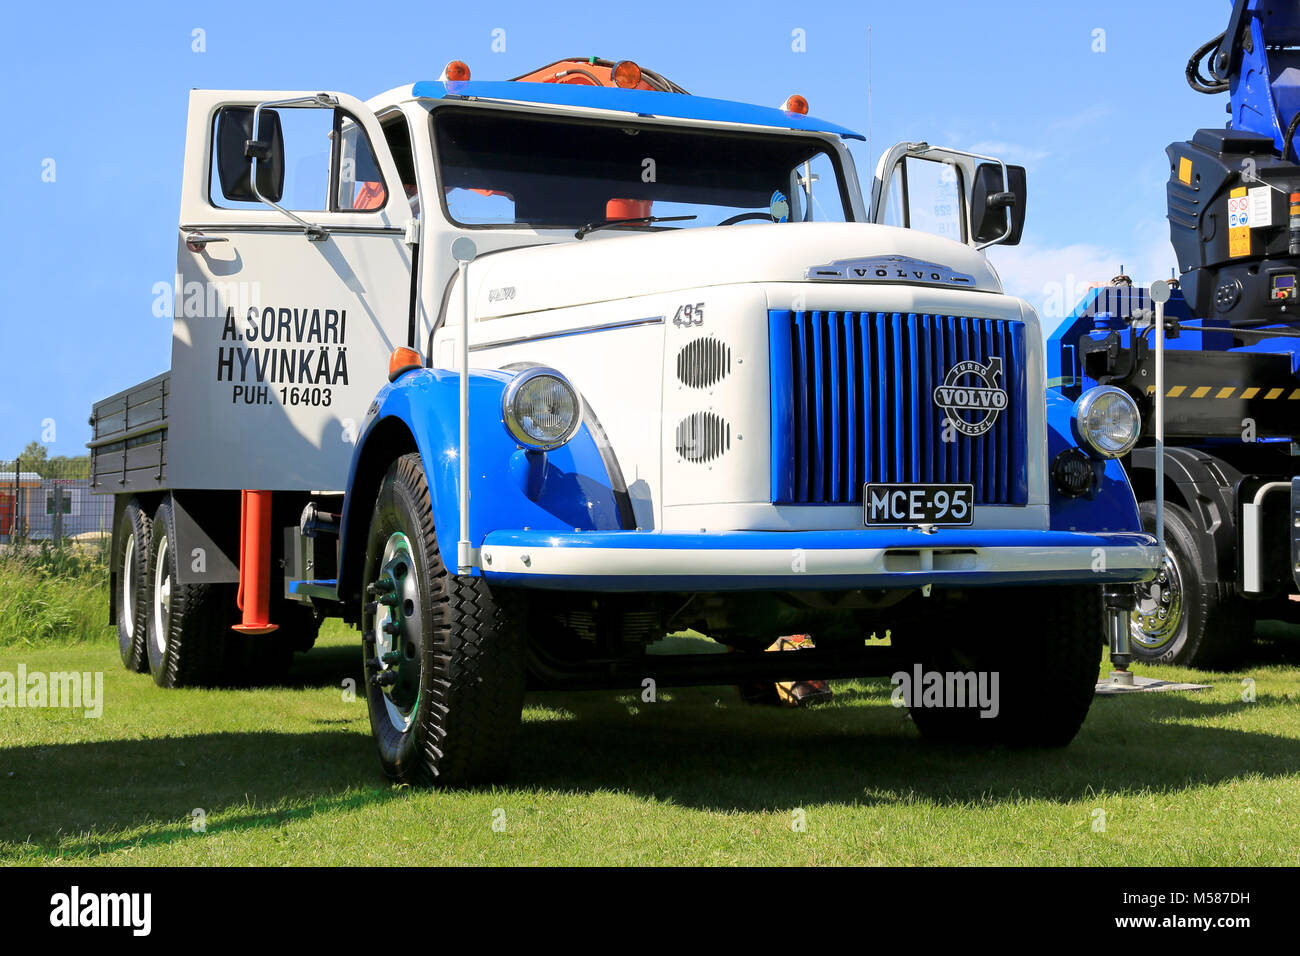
(195,241)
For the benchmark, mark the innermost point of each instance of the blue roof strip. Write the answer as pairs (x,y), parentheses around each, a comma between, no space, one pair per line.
(641,102)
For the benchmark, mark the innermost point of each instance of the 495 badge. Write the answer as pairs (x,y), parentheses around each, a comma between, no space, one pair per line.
(912,504)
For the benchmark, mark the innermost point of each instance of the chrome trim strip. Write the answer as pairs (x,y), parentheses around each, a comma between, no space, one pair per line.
(270,227)
(850,563)
(581,330)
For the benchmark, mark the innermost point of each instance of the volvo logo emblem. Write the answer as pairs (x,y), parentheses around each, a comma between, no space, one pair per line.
(890,269)
(973,388)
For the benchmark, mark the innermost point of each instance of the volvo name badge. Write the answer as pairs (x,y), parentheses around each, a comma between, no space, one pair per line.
(890,269)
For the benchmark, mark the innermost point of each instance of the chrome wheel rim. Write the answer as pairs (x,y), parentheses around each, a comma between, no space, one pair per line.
(1156,619)
(129,582)
(162,599)
(395,629)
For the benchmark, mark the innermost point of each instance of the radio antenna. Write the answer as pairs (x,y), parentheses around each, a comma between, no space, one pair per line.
(871,155)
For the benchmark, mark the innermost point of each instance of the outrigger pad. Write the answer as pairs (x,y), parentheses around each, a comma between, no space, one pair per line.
(1141,684)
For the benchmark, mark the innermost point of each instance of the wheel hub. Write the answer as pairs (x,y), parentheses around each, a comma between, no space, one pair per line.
(395,629)
(1159,612)
(129,585)
(162,598)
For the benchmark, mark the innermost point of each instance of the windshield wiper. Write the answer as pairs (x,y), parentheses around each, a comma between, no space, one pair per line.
(602,223)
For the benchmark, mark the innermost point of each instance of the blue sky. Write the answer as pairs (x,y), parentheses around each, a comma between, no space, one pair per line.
(101,90)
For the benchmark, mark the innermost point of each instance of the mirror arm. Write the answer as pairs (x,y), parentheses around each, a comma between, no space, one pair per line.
(255,149)
(1006,181)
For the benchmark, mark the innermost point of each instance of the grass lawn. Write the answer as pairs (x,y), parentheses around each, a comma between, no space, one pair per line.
(287,775)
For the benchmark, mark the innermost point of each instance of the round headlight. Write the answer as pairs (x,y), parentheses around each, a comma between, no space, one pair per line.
(541,409)
(1107,421)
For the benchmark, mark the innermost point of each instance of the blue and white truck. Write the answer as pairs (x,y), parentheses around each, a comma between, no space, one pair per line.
(1231,369)
(520,377)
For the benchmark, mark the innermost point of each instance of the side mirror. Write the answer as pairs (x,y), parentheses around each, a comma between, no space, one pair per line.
(236,147)
(995,206)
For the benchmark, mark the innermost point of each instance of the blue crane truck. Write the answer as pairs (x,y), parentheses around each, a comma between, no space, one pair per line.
(1231,482)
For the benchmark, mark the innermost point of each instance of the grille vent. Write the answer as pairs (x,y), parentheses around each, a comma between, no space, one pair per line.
(703,437)
(704,362)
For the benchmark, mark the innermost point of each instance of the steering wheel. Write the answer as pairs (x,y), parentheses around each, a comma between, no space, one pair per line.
(741,217)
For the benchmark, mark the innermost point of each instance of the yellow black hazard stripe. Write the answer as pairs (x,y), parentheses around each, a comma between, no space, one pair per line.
(1230,391)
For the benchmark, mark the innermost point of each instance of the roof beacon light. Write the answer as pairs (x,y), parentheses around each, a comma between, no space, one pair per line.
(794,103)
(626,74)
(455,72)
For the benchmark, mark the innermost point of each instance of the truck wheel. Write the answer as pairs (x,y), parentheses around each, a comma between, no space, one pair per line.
(1181,617)
(131,593)
(188,624)
(444,665)
(1046,657)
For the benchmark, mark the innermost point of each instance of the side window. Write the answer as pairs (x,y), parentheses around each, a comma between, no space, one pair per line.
(397,135)
(927,195)
(318,177)
(361,185)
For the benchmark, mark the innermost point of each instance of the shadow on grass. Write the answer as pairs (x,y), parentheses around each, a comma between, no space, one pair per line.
(267,779)
(1276,644)
(705,749)
(325,667)
(699,748)
(696,747)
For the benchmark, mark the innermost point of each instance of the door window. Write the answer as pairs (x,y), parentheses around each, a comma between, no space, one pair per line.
(926,194)
(321,147)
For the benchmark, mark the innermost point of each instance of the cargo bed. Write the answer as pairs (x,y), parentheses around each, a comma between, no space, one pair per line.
(128,450)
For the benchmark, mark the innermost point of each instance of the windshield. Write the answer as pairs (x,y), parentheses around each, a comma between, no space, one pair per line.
(509,169)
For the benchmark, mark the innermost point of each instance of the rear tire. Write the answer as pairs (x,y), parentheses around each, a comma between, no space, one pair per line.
(1045,680)
(188,624)
(1205,624)
(445,682)
(131,587)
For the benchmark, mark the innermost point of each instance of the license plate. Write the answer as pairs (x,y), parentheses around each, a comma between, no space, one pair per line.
(903,504)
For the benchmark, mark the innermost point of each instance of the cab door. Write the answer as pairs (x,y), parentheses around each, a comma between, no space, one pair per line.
(974,199)
(294,286)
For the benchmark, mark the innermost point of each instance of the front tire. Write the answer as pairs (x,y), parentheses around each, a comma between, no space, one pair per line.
(1182,617)
(131,587)
(188,624)
(444,664)
(1045,680)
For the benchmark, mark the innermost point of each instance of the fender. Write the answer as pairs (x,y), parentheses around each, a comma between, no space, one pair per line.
(1205,486)
(1112,507)
(566,489)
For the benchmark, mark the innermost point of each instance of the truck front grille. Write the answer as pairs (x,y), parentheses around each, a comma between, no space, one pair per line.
(854,401)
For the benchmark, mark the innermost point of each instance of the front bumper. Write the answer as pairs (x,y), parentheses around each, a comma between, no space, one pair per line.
(812,560)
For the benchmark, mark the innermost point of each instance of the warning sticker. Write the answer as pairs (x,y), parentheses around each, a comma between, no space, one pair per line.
(1238,223)
(1261,206)
(1185,171)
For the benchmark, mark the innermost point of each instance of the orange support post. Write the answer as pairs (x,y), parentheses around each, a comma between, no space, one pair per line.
(255,563)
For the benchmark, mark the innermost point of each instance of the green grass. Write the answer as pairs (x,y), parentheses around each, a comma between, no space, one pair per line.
(287,775)
(51,596)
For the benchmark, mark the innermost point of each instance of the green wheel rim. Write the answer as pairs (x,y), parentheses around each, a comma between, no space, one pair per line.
(396,631)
